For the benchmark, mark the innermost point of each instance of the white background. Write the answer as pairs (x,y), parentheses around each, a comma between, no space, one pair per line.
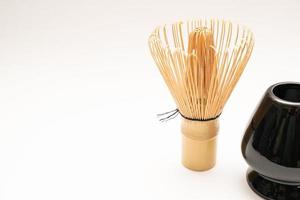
(79,94)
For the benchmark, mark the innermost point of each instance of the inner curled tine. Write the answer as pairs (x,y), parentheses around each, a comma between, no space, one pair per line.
(201,62)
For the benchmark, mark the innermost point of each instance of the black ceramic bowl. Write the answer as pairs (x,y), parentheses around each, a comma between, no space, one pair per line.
(271,144)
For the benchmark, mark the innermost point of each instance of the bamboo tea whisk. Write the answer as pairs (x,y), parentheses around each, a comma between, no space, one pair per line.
(201,61)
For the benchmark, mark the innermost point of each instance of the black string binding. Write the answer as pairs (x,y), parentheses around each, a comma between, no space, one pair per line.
(164,117)
(169,115)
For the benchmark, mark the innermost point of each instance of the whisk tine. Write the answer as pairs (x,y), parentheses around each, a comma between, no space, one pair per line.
(202,70)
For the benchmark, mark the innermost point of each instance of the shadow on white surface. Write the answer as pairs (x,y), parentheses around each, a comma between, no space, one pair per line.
(247,190)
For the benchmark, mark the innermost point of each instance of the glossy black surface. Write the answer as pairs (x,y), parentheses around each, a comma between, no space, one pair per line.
(271,144)
(268,189)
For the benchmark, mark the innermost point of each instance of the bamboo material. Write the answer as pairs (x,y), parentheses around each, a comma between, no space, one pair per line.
(199,144)
(201,62)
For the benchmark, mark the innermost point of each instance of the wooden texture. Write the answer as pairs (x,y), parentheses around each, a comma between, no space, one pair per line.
(199,144)
(201,61)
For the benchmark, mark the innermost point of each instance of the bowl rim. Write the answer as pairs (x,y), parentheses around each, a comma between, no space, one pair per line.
(280,100)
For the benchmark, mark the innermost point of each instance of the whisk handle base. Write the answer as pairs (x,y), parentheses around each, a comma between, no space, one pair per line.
(199,144)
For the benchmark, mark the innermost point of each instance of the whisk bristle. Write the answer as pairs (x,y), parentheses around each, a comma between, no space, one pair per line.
(201,62)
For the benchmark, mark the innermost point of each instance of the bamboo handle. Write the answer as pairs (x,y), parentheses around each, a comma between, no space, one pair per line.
(199,144)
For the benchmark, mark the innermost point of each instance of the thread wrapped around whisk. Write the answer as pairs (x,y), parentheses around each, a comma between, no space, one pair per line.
(201,61)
